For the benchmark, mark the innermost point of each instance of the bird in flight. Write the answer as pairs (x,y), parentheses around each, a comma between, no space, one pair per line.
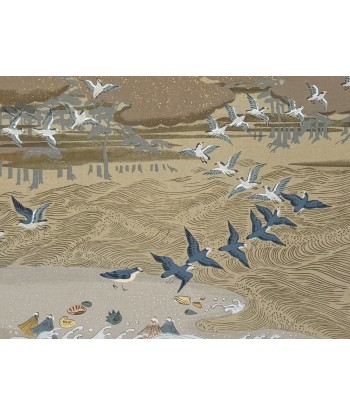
(46,131)
(261,232)
(317,96)
(275,194)
(13,132)
(346,84)
(294,111)
(98,89)
(79,118)
(236,121)
(200,152)
(274,218)
(225,168)
(301,203)
(216,131)
(250,183)
(234,247)
(33,218)
(257,111)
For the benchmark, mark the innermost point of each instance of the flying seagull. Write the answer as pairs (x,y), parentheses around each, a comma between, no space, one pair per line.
(317,96)
(235,120)
(274,194)
(346,84)
(216,131)
(173,270)
(301,203)
(234,247)
(257,111)
(294,111)
(33,219)
(79,119)
(195,254)
(98,89)
(200,152)
(225,168)
(122,275)
(261,232)
(46,131)
(250,183)
(274,218)
(13,132)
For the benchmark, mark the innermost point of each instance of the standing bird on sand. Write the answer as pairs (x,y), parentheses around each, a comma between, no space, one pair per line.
(275,194)
(46,131)
(29,324)
(98,89)
(195,254)
(33,219)
(200,152)
(346,84)
(79,119)
(234,247)
(122,275)
(173,270)
(274,218)
(317,96)
(294,111)
(257,111)
(13,132)
(225,168)
(248,184)
(216,131)
(261,232)
(235,120)
(301,203)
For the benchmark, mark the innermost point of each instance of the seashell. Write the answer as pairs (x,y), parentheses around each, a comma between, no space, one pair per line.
(86,303)
(183,299)
(189,312)
(75,310)
(114,317)
(202,298)
(66,323)
(197,304)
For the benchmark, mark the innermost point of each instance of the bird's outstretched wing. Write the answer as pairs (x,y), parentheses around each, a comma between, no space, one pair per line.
(38,213)
(291,104)
(90,85)
(259,196)
(233,238)
(293,199)
(278,189)
(265,212)
(15,138)
(14,122)
(252,102)
(324,103)
(51,141)
(213,124)
(263,117)
(244,126)
(209,262)
(240,255)
(313,89)
(231,112)
(26,212)
(233,160)
(167,263)
(284,221)
(315,204)
(90,121)
(254,172)
(225,137)
(188,152)
(213,172)
(208,149)
(271,237)
(238,189)
(110,87)
(193,245)
(300,117)
(72,112)
(48,120)
(256,223)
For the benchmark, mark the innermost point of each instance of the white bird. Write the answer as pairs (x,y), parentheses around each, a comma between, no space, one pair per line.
(275,194)
(294,111)
(317,96)
(250,183)
(98,89)
(46,131)
(79,118)
(346,84)
(235,120)
(13,132)
(216,131)
(225,168)
(257,111)
(199,151)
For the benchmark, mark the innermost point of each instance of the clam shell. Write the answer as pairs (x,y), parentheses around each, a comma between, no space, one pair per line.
(86,303)
(76,309)
(190,312)
(66,323)
(183,299)
(197,304)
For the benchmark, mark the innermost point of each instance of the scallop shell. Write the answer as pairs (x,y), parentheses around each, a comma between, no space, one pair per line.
(183,299)
(76,309)
(67,323)
(197,304)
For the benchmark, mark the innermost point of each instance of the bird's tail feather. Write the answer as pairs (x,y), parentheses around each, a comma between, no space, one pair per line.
(183,283)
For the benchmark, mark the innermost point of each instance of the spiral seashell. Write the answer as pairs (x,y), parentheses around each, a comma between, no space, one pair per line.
(76,309)
(183,299)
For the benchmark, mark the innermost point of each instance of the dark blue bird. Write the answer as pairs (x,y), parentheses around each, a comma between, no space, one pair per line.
(32,218)
(274,219)
(260,232)
(122,275)
(301,203)
(197,255)
(45,325)
(173,270)
(233,247)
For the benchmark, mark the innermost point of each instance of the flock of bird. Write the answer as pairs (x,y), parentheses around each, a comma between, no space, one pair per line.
(45,130)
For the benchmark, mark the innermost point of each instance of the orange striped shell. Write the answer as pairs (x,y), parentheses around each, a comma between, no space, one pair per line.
(76,309)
